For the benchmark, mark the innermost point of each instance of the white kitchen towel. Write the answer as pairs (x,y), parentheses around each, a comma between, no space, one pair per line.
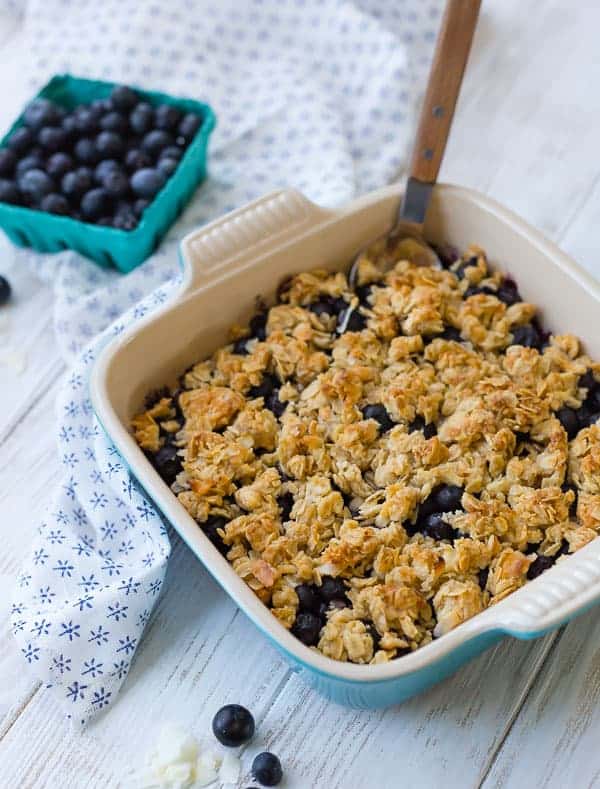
(315,94)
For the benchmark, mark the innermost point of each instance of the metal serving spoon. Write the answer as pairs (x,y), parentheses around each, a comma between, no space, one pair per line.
(445,78)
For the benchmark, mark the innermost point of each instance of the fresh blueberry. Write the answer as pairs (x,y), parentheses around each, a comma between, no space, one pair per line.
(190,123)
(109,145)
(539,565)
(9,192)
(285,502)
(258,325)
(155,141)
(52,138)
(5,290)
(141,118)
(32,162)
(233,725)
(35,184)
(265,387)
(96,203)
(328,305)
(140,206)
(350,320)
(435,526)
(482,577)
(147,182)
(568,419)
(85,121)
(378,412)
(41,112)
(308,598)
(508,292)
(166,117)
(86,151)
(69,126)
(59,164)
(528,336)
(125,219)
(55,204)
(274,404)
(123,98)
(21,140)
(307,627)
(167,166)
(266,769)
(8,161)
(105,167)
(332,589)
(211,530)
(116,184)
(102,106)
(450,333)
(171,152)
(76,183)
(114,122)
(137,160)
(418,423)
(460,271)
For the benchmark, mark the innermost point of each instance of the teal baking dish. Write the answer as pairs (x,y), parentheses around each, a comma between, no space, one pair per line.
(246,254)
(109,246)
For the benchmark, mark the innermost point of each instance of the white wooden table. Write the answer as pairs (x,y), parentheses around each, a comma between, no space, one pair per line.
(522,715)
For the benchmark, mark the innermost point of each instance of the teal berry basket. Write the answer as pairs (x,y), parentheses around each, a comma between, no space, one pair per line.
(107,246)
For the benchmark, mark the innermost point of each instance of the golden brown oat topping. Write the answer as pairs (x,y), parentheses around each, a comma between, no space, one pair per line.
(382,460)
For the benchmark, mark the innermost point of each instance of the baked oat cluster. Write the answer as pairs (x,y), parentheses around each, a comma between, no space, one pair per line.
(383,455)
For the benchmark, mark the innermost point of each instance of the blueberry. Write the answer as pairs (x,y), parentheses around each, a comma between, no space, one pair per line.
(55,204)
(167,462)
(587,416)
(41,112)
(460,271)
(8,161)
(450,333)
(9,192)
(266,769)
(190,123)
(101,106)
(114,122)
(52,138)
(5,290)
(376,638)
(75,184)
(435,526)
(59,164)
(308,598)
(155,141)
(96,203)
(123,98)
(539,565)
(528,336)
(568,419)
(32,162)
(240,346)
(332,589)
(285,502)
(482,577)
(418,423)
(85,121)
(69,126)
(378,412)
(328,305)
(565,487)
(167,166)
(171,152)
(210,529)
(116,184)
(137,160)
(307,627)
(105,167)
(474,290)
(508,292)
(351,320)
(86,151)
(443,498)
(588,381)
(140,206)
(142,117)
(264,388)
(166,117)
(364,292)
(35,184)
(274,404)
(258,325)
(147,182)
(233,725)
(125,219)
(447,254)
(109,144)
(20,140)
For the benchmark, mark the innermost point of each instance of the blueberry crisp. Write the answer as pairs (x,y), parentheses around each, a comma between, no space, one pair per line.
(382,456)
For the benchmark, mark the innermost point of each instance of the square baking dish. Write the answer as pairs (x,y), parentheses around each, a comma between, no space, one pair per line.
(246,254)
(109,246)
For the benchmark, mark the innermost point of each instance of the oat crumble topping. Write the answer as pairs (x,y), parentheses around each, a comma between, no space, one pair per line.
(382,459)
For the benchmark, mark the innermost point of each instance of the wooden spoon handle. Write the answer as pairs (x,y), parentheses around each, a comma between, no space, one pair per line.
(445,78)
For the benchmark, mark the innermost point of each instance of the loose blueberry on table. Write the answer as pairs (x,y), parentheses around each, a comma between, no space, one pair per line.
(5,290)
(266,769)
(382,457)
(233,725)
(102,163)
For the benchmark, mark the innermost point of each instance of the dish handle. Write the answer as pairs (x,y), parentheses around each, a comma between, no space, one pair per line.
(230,242)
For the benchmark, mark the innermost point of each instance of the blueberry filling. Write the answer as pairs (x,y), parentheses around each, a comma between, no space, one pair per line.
(443,498)
(482,577)
(210,528)
(418,423)
(274,404)
(307,627)
(460,271)
(308,598)
(569,420)
(332,589)
(328,305)
(508,292)
(451,333)
(436,527)
(528,335)
(265,387)
(285,502)
(351,320)
(378,412)
(258,326)
(167,462)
